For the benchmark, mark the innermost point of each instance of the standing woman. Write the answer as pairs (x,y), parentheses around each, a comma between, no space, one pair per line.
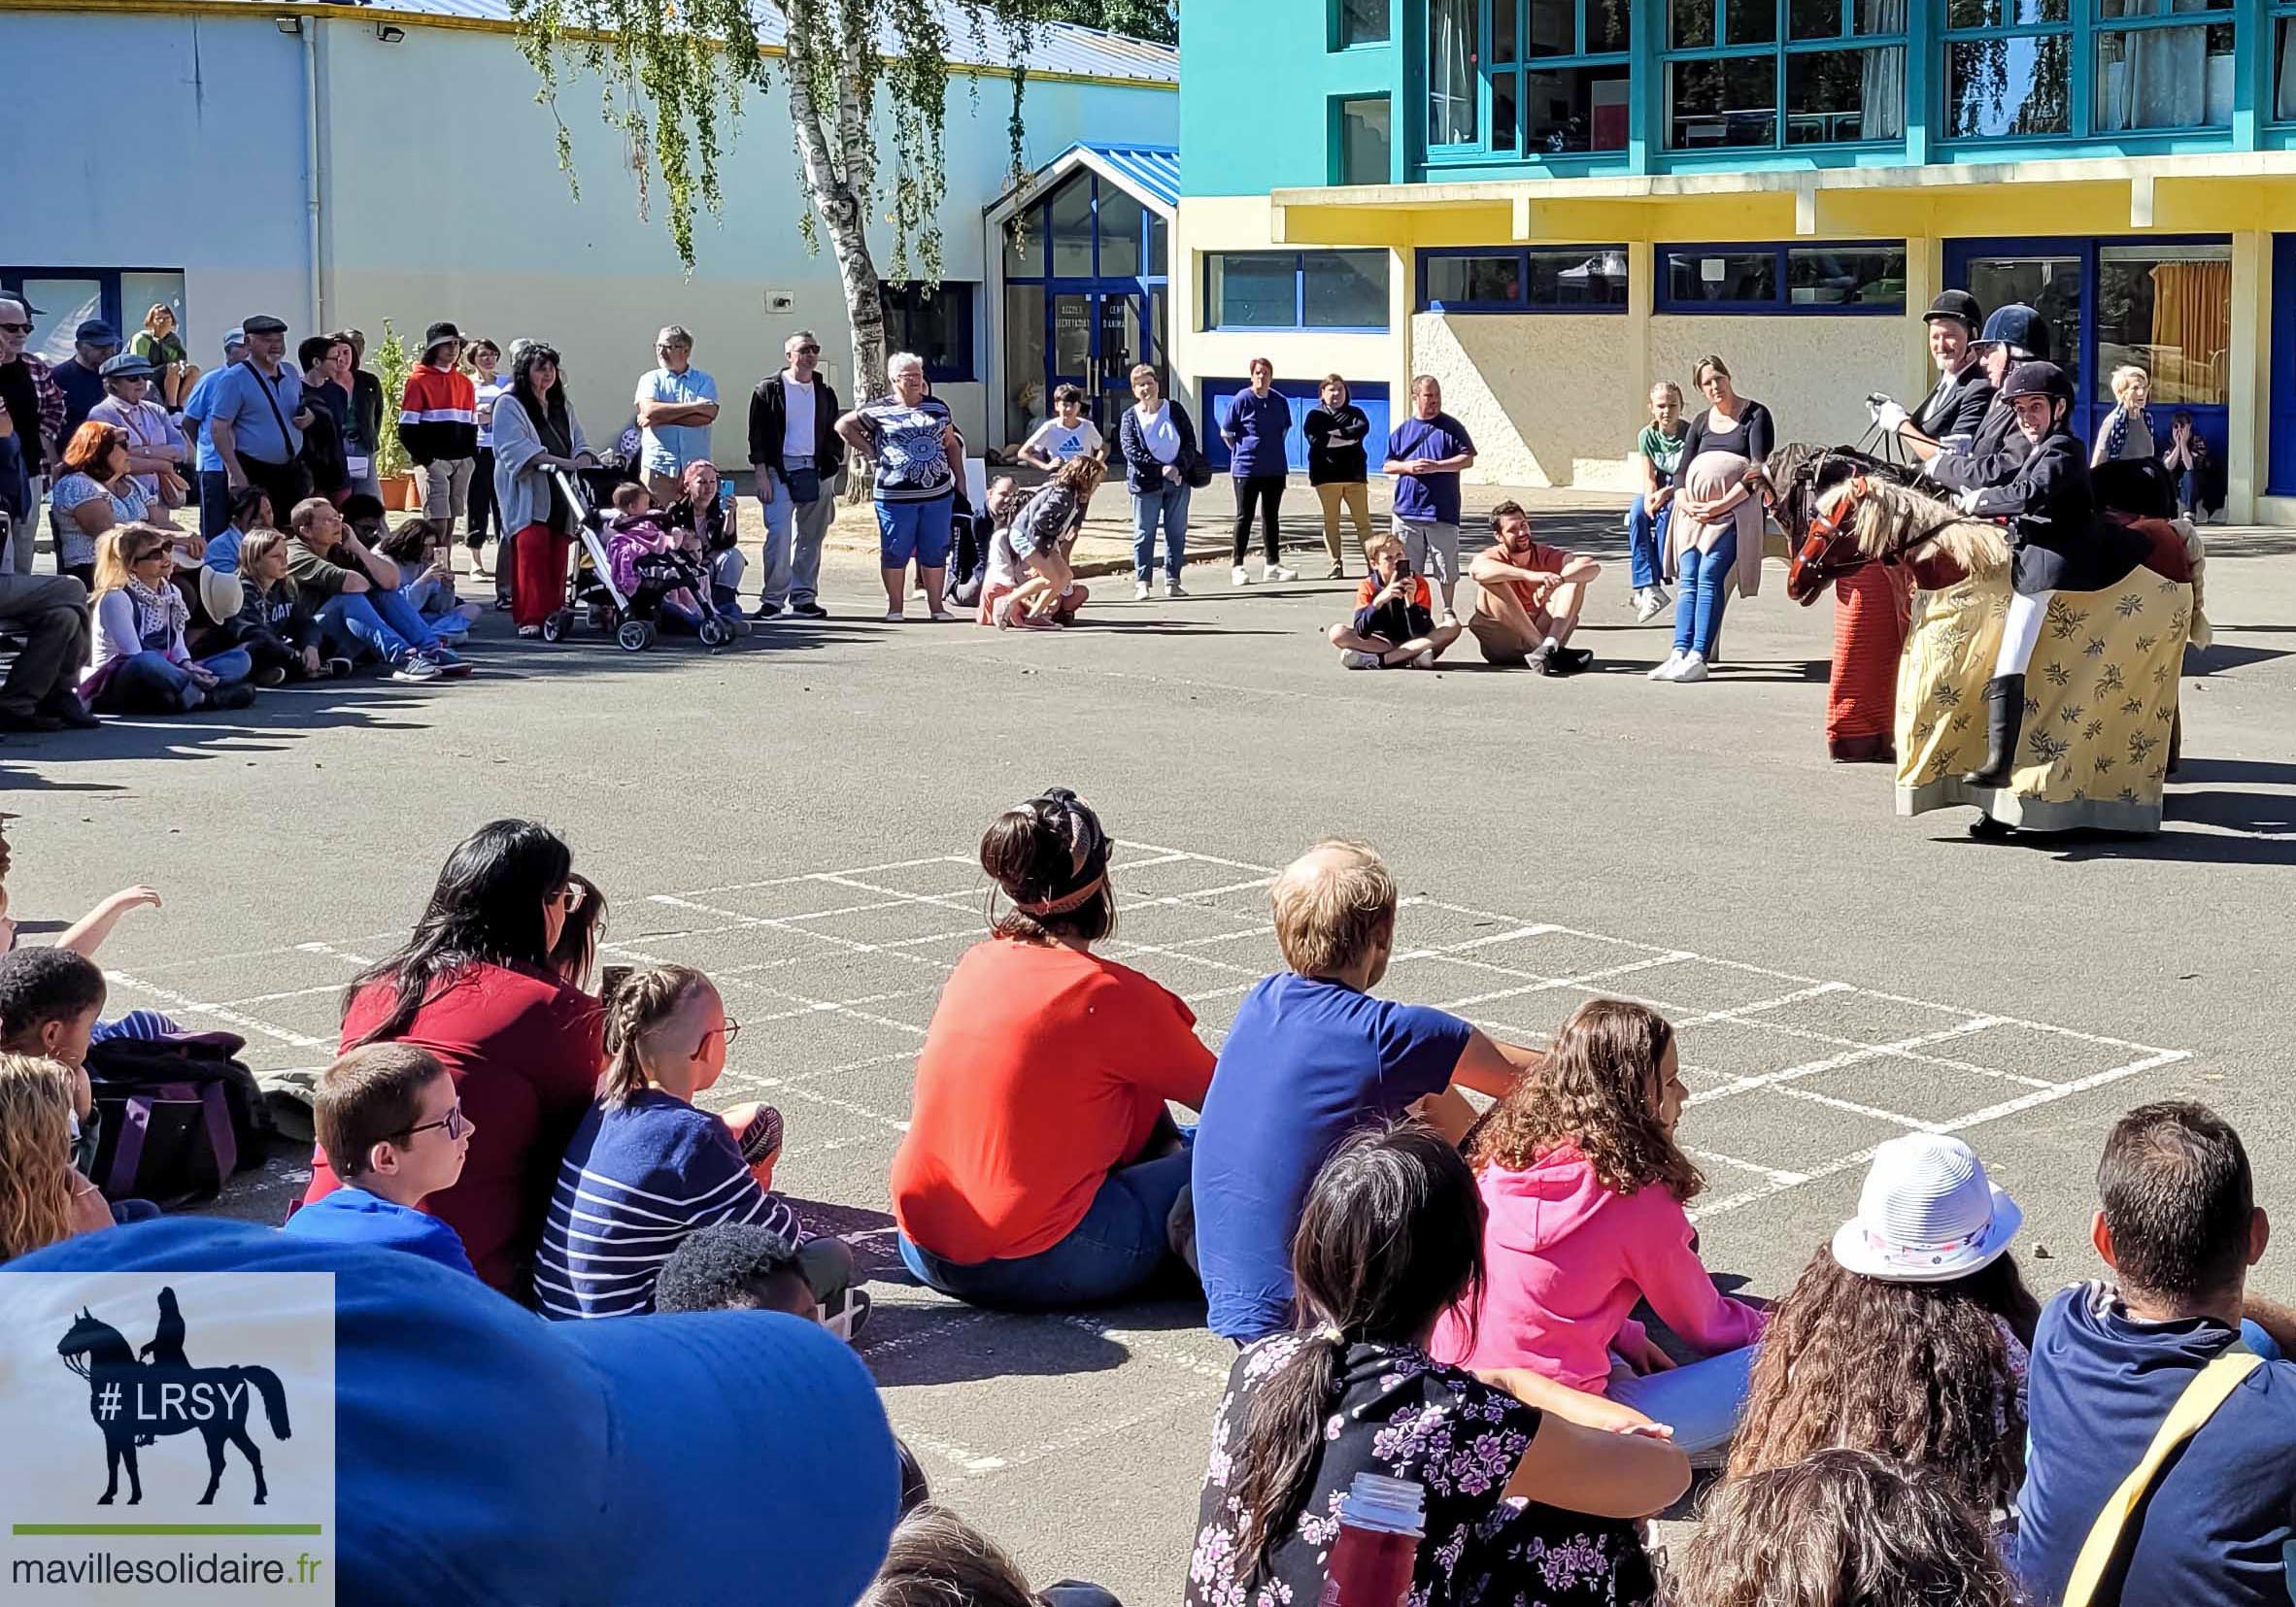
(909,436)
(535,432)
(2127,430)
(1338,468)
(1528,1487)
(481,984)
(1157,441)
(158,343)
(488,384)
(1258,420)
(1715,539)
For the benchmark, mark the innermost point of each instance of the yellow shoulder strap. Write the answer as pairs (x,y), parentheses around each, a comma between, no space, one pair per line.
(2208,1389)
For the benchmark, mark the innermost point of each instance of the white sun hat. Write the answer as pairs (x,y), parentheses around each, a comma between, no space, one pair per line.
(1927,1214)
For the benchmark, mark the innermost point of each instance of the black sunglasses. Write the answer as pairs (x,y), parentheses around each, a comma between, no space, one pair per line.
(16,328)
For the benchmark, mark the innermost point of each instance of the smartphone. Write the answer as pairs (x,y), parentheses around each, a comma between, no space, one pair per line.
(1403,569)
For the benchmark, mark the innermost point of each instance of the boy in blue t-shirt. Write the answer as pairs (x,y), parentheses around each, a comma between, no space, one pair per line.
(1311,1057)
(390,1120)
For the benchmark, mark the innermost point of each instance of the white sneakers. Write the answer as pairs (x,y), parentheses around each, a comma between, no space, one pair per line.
(1681,667)
(1275,572)
(1172,587)
(1139,591)
(1649,603)
(1360,660)
(1239,576)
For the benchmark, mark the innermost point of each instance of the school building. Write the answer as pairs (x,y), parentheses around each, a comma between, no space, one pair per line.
(1550,204)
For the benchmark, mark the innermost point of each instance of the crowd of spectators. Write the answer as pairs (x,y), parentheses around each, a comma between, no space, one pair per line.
(1418,1289)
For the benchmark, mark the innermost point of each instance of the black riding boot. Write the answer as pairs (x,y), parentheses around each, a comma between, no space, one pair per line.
(2005,720)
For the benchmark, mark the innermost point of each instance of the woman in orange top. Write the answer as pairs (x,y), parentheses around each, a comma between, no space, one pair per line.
(1041,1167)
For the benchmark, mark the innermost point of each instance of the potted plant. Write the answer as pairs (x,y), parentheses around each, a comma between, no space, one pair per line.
(393,364)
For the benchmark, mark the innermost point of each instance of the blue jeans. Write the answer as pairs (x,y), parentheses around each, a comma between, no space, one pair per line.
(1120,1244)
(215,504)
(1698,1400)
(1169,508)
(381,622)
(1705,590)
(1647,538)
(151,682)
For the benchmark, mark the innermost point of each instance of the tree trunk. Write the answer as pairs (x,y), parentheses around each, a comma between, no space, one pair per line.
(840,174)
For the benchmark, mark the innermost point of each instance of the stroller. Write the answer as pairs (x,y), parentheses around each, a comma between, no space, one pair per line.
(631,618)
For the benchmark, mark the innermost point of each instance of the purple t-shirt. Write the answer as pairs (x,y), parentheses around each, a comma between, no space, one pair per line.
(1432,497)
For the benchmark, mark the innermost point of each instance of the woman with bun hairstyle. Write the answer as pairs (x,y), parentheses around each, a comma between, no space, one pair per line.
(1041,1169)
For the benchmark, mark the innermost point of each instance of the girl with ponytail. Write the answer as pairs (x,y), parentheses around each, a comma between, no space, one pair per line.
(1531,1489)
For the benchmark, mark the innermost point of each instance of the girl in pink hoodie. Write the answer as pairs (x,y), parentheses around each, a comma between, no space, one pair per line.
(1583,1189)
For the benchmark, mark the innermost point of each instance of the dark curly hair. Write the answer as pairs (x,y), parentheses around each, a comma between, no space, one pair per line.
(1915,1371)
(1840,1526)
(1598,1089)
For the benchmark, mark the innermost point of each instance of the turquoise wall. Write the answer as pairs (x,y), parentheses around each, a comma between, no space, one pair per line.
(1257,83)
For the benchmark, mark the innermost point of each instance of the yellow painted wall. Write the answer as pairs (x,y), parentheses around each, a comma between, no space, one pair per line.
(1537,394)
(1812,373)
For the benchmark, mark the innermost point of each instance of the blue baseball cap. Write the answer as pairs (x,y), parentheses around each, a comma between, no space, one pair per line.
(487,1454)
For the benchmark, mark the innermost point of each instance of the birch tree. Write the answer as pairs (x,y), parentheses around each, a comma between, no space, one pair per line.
(673,74)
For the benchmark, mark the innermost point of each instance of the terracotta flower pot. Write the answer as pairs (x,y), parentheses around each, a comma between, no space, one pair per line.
(398,494)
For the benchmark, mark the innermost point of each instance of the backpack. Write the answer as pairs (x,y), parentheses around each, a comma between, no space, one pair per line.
(180,1115)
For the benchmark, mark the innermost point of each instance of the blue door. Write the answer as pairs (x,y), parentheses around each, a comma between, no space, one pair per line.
(2280,469)
(1303,395)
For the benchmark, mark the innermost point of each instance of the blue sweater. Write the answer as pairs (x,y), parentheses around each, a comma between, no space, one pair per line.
(352,1216)
(1254,433)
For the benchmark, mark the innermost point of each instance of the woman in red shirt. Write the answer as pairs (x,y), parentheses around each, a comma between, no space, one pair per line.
(475,988)
(1041,1168)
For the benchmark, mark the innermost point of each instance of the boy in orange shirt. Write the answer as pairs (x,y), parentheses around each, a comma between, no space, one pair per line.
(1394,626)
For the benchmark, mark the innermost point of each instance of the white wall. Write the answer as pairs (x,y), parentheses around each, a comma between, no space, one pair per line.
(443,198)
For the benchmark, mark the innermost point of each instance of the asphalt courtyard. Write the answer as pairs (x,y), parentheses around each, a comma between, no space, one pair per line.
(796,816)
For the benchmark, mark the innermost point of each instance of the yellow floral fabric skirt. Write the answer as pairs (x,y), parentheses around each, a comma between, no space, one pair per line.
(2100,704)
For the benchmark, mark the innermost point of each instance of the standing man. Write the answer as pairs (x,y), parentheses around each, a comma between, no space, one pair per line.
(256,415)
(215,487)
(35,405)
(1425,453)
(81,379)
(1949,416)
(677,404)
(365,436)
(325,361)
(799,461)
(438,426)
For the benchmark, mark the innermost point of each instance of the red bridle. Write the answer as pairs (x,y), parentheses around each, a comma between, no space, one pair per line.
(1812,567)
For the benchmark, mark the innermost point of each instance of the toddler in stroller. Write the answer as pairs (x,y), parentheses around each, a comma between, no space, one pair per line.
(652,577)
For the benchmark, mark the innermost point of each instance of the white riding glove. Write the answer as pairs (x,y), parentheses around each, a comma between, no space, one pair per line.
(1889,415)
(1967,501)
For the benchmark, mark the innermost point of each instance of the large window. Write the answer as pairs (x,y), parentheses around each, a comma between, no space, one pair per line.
(2284,59)
(1296,290)
(1774,74)
(1357,22)
(68,297)
(1542,279)
(2009,68)
(934,322)
(2167,310)
(2163,64)
(1454,42)
(1559,77)
(1363,137)
(1846,278)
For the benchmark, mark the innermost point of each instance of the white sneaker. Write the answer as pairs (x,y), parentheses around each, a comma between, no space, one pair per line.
(1239,576)
(1172,587)
(1666,671)
(1275,572)
(1354,660)
(1423,660)
(1649,607)
(412,667)
(1694,668)
(1139,591)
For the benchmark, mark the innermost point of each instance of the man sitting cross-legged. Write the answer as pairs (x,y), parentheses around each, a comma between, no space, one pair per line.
(1394,626)
(1529,598)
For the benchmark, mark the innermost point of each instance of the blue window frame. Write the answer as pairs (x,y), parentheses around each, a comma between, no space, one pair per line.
(2282,45)
(1853,278)
(1778,75)
(2009,69)
(934,322)
(1356,22)
(68,297)
(1328,290)
(1085,298)
(2037,69)
(1513,278)
(1363,140)
(1559,77)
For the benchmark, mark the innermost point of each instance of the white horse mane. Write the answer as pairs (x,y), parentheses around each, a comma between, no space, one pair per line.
(1893,522)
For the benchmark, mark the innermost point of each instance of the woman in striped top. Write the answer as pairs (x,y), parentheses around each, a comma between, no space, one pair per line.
(646,1168)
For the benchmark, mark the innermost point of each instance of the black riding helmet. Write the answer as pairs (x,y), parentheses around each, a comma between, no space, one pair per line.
(1955,307)
(2038,378)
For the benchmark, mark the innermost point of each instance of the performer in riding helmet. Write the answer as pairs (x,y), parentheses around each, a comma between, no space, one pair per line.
(2053,546)
(2012,335)
(1951,414)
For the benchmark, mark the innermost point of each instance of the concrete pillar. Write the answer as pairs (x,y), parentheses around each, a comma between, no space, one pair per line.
(2248,460)
(1925,278)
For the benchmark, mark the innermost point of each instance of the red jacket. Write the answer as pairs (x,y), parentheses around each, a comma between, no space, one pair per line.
(438,415)
(524,1051)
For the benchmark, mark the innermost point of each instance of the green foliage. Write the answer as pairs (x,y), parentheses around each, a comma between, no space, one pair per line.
(1154,19)
(393,364)
(674,72)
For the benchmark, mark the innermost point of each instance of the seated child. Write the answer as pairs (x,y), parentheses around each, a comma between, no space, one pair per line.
(631,534)
(44,1199)
(426,576)
(390,1120)
(1394,626)
(936,1559)
(1030,582)
(1584,1185)
(748,1266)
(50,999)
(275,625)
(1528,597)
(646,1168)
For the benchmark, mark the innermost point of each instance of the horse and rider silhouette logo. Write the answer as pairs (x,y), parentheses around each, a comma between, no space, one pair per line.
(136,1402)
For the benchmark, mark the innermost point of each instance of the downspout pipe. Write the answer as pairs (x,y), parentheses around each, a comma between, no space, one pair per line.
(311,174)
